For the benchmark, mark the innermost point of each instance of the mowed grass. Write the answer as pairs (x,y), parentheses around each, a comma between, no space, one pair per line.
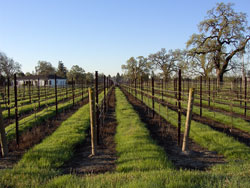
(136,149)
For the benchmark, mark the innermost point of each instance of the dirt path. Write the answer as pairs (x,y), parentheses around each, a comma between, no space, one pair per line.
(166,136)
(105,158)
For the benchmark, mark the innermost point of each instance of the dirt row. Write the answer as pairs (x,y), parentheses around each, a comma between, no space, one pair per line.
(35,135)
(234,114)
(165,135)
(28,113)
(240,135)
(104,160)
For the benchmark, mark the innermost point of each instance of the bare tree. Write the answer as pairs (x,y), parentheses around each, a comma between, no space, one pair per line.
(201,64)
(165,61)
(223,35)
(137,68)
(8,67)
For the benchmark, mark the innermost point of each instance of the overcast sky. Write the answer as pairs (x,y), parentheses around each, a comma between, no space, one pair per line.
(98,34)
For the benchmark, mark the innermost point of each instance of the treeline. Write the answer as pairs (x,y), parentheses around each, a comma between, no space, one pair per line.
(8,67)
(217,49)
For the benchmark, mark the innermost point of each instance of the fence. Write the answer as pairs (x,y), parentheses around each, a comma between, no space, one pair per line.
(224,107)
(39,100)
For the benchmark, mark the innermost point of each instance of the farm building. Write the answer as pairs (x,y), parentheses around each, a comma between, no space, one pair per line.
(43,80)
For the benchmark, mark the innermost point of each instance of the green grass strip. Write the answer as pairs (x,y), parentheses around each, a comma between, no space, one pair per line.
(40,163)
(133,176)
(204,135)
(135,149)
(214,102)
(35,105)
(35,119)
(218,116)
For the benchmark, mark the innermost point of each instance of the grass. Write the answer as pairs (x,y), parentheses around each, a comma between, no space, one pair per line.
(137,166)
(132,173)
(216,102)
(135,149)
(38,118)
(35,105)
(41,162)
(218,116)
(23,96)
(204,135)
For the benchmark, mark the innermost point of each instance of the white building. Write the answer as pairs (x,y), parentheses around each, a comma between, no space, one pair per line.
(43,80)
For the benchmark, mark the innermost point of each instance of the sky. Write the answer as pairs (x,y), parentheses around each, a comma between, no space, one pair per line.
(98,35)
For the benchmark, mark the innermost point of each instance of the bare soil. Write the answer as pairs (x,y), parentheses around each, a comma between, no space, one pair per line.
(165,135)
(104,160)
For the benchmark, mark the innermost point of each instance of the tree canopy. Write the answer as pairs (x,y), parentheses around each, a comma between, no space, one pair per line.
(8,67)
(224,34)
(89,78)
(76,73)
(61,70)
(201,65)
(44,68)
(137,68)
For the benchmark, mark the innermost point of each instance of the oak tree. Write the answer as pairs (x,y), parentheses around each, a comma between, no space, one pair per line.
(45,68)
(223,35)
(136,68)
(8,67)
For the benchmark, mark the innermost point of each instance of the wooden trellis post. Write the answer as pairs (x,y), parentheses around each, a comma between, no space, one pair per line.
(4,145)
(82,89)
(141,89)
(135,90)
(38,92)
(153,94)
(66,90)
(29,91)
(73,94)
(162,89)
(104,100)
(56,96)
(175,90)
(240,91)
(179,109)
(245,96)
(209,97)
(16,110)
(97,109)
(200,96)
(92,121)
(188,119)
(8,93)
